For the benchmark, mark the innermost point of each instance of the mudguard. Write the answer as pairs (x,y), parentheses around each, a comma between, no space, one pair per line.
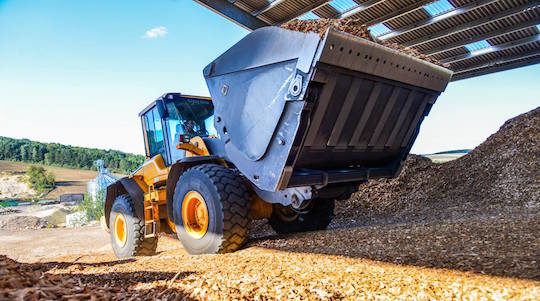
(125,185)
(178,168)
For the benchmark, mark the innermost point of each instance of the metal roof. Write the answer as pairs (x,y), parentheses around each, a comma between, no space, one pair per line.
(509,26)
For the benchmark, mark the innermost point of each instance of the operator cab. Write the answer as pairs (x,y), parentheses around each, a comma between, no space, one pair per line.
(175,118)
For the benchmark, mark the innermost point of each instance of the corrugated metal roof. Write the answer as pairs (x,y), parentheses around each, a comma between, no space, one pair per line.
(451,53)
(494,28)
(444,36)
(530,31)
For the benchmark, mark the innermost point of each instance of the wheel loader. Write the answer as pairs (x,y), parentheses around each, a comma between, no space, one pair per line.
(295,123)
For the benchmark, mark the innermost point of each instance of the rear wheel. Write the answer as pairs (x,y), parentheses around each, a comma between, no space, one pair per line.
(316,216)
(211,210)
(127,231)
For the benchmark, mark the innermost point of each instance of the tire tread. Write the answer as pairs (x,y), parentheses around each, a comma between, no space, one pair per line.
(143,246)
(235,204)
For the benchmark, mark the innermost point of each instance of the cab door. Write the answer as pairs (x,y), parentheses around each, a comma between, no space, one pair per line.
(154,134)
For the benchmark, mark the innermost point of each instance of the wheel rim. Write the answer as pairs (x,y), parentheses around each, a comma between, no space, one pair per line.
(120,230)
(195,215)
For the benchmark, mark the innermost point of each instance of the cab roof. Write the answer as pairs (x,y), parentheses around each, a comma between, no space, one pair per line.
(172,96)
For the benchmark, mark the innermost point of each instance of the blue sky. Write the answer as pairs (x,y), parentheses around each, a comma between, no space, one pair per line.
(78,72)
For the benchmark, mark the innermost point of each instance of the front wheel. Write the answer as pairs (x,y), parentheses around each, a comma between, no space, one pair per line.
(317,216)
(127,231)
(211,210)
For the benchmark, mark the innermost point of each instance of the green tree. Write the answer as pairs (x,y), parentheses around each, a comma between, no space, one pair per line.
(25,152)
(93,208)
(39,179)
(37,155)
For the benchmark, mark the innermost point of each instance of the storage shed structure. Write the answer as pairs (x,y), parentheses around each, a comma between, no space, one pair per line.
(473,37)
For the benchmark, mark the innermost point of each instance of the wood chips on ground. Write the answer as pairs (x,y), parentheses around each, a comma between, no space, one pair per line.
(471,259)
(468,229)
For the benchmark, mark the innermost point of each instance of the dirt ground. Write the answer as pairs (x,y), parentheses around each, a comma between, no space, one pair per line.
(13,186)
(47,244)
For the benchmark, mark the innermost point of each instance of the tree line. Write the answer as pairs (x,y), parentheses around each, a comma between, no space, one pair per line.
(56,154)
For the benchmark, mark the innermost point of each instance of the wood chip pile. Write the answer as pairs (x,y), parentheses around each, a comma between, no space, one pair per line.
(499,176)
(353,27)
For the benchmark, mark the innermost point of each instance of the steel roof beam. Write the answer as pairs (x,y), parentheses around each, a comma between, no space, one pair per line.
(487,19)
(303,11)
(231,12)
(494,48)
(268,7)
(503,64)
(486,36)
(399,12)
(360,7)
(506,59)
(454,12)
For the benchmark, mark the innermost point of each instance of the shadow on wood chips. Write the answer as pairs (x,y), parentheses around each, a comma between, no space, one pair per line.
(32,281)
(64,265)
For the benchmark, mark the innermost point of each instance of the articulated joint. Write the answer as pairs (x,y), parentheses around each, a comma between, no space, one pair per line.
(293,196)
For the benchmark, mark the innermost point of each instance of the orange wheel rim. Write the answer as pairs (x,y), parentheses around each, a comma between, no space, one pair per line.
(195,215)
(120,230)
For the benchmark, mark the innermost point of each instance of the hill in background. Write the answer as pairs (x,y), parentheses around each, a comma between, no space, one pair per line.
(54,154)
(446,156)
(457,151)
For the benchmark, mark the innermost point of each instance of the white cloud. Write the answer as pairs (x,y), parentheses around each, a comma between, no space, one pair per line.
(157,32)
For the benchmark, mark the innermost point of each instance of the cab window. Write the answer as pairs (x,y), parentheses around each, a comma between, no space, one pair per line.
(154,133)
(175,130)
(188,118)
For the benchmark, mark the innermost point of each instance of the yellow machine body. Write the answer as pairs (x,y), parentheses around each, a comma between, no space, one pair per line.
(152,178)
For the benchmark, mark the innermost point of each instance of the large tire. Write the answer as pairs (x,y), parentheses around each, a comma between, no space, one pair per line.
(317,216)
(133,242)
(227,209)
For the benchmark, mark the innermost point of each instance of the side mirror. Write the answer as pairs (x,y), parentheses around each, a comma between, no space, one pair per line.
(162,110)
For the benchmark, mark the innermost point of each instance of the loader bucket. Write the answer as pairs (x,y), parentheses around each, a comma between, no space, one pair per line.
(294,109)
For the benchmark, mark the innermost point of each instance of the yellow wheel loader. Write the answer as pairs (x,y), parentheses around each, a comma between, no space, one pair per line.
(296,122)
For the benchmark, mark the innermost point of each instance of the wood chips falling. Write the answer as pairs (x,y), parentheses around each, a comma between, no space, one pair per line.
(464,230)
